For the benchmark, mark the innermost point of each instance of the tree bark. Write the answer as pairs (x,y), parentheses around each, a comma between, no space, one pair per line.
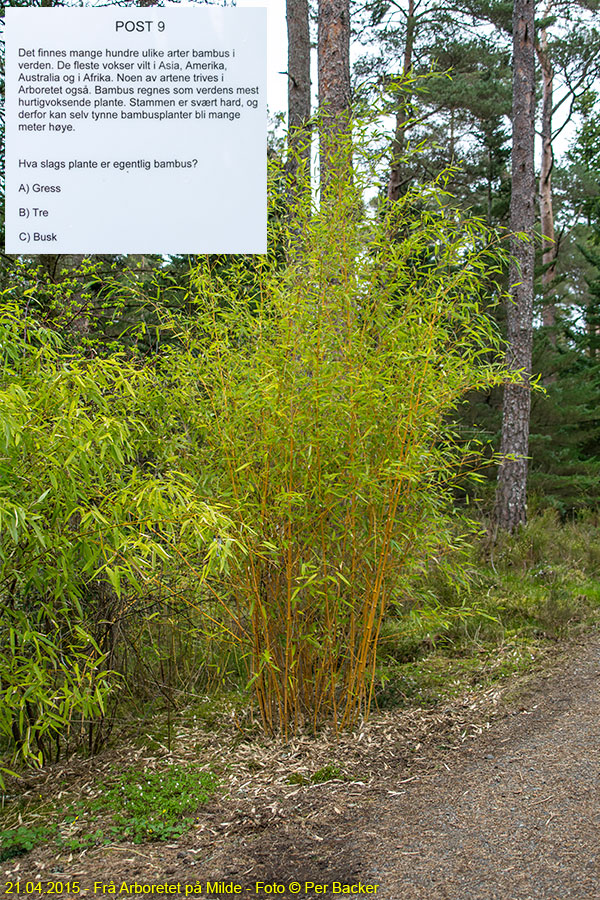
(511,493)
(298,33)
(545,184)
(396,182)
(334,85)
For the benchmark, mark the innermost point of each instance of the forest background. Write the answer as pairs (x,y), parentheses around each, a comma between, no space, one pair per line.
(272,487)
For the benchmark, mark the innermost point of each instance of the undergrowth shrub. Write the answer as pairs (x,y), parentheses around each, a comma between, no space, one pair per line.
(536,587)
(95,515)
(322,413)
(548,541)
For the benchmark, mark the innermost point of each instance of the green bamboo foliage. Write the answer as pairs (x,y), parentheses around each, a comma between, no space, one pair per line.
(252,498)
(323,409)
(95,514)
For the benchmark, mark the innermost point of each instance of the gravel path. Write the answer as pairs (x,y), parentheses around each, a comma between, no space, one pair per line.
(519,820)
(510,814)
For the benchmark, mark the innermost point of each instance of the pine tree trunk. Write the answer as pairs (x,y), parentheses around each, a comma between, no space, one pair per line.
(334,82)
(298,33)
(545,188)
(511,494)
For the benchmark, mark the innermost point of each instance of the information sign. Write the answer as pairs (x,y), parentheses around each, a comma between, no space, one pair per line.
(135,130)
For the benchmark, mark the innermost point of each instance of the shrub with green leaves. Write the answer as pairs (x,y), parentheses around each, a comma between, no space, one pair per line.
(95,513)
(321,411)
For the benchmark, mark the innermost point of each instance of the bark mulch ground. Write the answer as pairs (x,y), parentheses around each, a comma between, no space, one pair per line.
(493,797)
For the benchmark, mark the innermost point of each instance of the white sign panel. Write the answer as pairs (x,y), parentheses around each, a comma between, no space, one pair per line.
(135,130)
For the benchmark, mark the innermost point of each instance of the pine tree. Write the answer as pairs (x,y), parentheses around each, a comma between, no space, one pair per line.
(511,495)
(334,80)
(298,32)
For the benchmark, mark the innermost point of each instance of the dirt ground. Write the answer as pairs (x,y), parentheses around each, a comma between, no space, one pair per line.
(493,797)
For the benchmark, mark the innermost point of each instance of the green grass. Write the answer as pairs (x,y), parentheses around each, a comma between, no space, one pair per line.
(326,773)
(453,633)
